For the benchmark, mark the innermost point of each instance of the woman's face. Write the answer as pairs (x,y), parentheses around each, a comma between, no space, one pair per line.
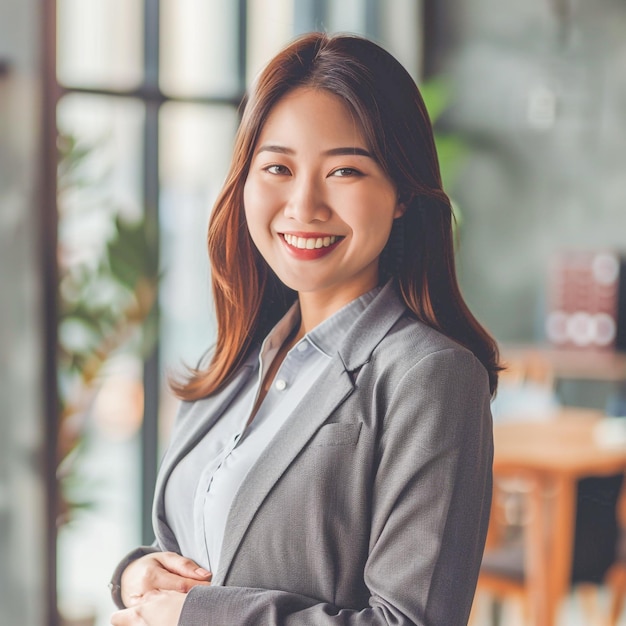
(318,206)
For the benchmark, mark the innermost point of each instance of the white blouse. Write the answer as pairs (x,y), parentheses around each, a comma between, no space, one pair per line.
(202,487)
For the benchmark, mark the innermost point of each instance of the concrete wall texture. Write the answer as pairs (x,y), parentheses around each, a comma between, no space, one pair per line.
(541,101)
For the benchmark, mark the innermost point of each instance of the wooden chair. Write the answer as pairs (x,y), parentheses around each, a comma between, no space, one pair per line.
(513,566)
(616,582)
(507,564)
(516,499)
(616,576)
(512,571)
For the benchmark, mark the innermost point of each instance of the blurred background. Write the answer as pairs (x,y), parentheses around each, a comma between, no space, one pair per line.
(117,119)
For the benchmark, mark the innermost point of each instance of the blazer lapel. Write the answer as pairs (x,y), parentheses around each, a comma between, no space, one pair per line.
(333,386)
(308,416)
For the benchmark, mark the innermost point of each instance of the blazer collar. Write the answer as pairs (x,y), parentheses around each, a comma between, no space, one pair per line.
(371,327)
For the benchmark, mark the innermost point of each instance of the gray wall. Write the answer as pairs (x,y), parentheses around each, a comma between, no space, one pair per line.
(542,102)
(22,570)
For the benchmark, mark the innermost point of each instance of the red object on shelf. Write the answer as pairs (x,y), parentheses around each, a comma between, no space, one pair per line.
(587,301)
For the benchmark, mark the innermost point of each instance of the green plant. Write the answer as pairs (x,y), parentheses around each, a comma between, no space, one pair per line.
(107,294)
(451,148)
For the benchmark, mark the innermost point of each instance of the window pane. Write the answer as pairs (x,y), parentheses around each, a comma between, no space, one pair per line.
(100,43)
(395,24)
(400,32)
(100,178)
(347,16)
(270,27)
(196,144)
(199,49)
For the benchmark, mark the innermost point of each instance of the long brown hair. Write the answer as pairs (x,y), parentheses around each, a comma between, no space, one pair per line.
(249,298)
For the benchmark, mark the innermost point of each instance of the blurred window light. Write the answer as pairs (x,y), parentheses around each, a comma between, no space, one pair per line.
(104,473)
(196,143)
(100,43)
(195,140)
(270,27)
(400,31)
(199,55)
(350,16)
(541,108)
(113,129)
(396,24)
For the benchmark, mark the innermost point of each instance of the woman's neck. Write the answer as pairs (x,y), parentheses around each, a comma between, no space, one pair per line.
(316,307)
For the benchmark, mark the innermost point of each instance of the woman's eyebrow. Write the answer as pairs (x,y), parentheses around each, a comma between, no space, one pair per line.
(347,150)
(353,150)
(275,148)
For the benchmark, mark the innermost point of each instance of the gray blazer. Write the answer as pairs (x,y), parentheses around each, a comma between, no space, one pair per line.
(371,504)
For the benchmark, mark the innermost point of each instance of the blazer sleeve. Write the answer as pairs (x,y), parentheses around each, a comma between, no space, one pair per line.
(431,502)
(115,585)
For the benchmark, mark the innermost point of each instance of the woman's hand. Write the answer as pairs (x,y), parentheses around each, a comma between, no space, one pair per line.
(160,571)
(158,608)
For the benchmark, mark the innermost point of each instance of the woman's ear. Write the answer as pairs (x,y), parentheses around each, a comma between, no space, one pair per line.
(400,209)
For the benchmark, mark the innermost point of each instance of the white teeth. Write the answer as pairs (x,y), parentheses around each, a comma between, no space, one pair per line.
(309,243)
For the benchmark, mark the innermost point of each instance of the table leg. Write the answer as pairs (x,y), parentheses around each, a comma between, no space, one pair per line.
(562,543)
(537,562)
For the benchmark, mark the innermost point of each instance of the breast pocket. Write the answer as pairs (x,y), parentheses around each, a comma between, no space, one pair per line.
(337,434)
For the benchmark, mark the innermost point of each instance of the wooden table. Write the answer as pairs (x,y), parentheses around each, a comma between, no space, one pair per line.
(602,365)
(553,454)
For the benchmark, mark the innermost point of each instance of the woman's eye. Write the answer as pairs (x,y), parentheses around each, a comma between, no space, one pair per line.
(346,171)
(276,169)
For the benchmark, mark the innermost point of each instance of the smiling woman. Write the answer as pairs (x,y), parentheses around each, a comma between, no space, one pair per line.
(318,206)
(331,461)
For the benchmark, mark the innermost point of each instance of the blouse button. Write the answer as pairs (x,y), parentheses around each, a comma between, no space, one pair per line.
(302,346)
(281,384)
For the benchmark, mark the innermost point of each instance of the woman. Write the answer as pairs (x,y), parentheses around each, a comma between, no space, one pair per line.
(331,461)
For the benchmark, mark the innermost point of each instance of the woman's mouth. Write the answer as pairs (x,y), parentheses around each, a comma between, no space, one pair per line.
(310,243)
(310,247)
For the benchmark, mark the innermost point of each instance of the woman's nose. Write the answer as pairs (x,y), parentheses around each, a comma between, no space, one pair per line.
(307,202)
